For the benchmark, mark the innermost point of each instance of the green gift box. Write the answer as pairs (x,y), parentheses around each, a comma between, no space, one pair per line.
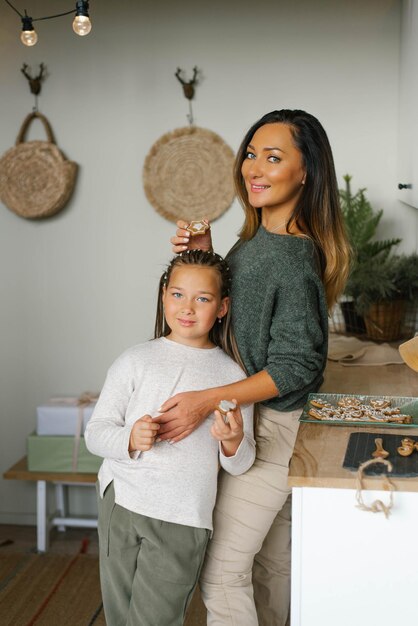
(48,453)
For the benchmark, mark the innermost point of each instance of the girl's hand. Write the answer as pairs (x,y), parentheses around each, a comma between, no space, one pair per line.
(183,413)
(230,433)
(143,434)
(184,241)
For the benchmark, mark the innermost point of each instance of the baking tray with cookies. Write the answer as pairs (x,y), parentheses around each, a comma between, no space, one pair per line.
(340,409)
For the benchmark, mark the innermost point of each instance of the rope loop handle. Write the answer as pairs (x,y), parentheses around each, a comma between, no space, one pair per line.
(377,506)
(27,122)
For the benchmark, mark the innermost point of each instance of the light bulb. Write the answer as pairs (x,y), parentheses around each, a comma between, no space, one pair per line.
(81,25)
(28,35)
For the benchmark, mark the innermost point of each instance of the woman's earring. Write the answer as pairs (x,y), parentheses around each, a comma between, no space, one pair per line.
(219,320)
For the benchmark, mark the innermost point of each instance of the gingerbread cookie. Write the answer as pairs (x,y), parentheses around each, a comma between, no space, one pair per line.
(197,227)
(320,403)
(349,402)
(380,403)
(375,416)
(400,419)
(391,410)
(354,414)
(407,447)
(224,407)
(316,414)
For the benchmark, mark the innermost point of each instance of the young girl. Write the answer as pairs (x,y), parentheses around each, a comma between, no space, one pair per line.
(156,498)
(289,267)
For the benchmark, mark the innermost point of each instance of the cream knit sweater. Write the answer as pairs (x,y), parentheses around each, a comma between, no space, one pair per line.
(171,482)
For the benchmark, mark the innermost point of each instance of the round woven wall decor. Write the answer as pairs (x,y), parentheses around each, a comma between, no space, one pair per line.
(188,174)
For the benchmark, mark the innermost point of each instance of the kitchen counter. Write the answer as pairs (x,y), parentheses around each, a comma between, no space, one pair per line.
(349,565)
(320,449)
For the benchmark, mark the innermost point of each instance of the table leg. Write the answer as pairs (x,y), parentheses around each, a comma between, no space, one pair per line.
(60,503)
(41,516)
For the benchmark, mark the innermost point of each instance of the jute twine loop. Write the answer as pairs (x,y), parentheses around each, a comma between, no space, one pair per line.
(377,506)
(36,180)
(188,174)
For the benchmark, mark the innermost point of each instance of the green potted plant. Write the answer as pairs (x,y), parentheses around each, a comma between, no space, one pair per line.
(361,222)
(385,292)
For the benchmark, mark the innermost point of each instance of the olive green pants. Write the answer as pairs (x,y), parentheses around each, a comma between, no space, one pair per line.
(148,568)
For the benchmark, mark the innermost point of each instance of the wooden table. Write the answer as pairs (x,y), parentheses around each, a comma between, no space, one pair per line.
(61,481)
(351,566)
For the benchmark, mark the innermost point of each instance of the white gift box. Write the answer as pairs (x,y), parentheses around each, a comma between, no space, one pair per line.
(64,416)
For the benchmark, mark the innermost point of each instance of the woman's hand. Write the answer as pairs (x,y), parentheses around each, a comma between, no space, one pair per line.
(183,413)
(184,241)
(229,432)
(143,434)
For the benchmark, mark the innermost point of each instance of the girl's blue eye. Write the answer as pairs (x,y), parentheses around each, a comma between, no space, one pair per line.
(176,294)
(250,155)
(203,299)
(274,159)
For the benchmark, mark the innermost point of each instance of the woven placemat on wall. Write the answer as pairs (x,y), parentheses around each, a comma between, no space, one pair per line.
(188,174)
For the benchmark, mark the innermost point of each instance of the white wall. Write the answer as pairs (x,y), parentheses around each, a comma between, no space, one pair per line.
(79,288)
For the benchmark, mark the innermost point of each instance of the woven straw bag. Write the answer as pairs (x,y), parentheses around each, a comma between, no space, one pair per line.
(36,180)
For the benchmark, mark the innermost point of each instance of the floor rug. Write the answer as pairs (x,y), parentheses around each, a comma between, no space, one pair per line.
(50,590)
(59,590)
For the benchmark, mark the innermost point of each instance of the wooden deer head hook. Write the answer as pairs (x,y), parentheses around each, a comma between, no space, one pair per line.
(34,82)
(188,86)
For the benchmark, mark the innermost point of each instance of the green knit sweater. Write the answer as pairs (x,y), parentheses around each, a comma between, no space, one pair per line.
(279,314)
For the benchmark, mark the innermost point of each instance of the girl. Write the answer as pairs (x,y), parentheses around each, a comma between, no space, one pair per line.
(156,499)
(289,267)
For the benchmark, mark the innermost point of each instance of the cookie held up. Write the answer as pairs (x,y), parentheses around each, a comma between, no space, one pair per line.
(197,227)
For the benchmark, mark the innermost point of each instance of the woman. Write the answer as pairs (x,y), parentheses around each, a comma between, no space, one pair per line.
(288,266)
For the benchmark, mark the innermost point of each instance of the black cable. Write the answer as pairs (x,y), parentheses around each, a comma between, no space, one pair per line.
(11,6)
(37,19)
(49,17)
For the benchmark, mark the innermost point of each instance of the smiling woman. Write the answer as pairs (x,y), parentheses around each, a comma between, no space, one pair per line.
(288,266)
(273,173)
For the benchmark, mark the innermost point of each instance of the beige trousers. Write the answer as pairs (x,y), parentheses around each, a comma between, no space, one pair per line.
(245,580)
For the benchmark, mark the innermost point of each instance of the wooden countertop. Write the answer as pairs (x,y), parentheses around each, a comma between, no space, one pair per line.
(320,449)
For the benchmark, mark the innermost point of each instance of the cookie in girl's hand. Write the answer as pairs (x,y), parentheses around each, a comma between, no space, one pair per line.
(224,407)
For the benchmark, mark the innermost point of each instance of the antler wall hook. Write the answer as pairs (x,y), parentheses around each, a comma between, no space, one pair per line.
(34,82)
(188,86)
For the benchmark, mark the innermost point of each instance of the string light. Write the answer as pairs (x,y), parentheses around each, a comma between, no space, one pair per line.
(28,35)
(81,22)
